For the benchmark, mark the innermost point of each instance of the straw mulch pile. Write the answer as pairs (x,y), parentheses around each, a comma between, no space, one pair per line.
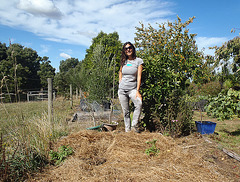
(120,156)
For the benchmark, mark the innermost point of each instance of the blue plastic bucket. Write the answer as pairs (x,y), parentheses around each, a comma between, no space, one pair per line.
(205,127)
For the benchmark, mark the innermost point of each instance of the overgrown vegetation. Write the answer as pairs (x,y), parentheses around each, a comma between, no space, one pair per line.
(28,136)
(224,106)
(17,161)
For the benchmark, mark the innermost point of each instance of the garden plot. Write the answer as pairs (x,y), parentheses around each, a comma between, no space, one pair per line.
(120,156)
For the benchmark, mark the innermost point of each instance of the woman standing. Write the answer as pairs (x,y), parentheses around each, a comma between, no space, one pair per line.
(130,75)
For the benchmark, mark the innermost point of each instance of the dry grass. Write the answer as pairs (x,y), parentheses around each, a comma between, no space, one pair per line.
(120,156)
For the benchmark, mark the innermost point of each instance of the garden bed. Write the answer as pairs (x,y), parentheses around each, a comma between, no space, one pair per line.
(120,156)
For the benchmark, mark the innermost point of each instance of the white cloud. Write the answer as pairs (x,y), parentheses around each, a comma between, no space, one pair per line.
(64,55)
(78,21)
(40,8)
(205,42)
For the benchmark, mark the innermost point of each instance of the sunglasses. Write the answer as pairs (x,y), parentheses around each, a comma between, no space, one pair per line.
(129,47)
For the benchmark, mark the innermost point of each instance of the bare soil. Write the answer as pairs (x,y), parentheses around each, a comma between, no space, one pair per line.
(120,156)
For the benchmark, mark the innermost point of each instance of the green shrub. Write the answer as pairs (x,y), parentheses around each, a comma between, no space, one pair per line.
(179,115)
(170,59)
(224,106)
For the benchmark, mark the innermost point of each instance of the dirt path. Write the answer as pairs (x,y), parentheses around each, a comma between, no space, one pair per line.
(120,156)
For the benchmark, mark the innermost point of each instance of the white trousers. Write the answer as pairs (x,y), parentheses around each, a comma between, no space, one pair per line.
(124,97)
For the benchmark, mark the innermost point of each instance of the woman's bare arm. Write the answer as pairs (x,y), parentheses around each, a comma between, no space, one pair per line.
(120,74)
(139,78)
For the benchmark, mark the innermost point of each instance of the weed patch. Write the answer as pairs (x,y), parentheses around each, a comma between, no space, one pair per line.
(153,150)
(60,155)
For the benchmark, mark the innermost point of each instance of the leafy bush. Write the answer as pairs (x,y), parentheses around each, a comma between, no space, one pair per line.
(170,58)
(224,106)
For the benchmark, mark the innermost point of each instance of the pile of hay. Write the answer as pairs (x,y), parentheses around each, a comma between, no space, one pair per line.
(120,156)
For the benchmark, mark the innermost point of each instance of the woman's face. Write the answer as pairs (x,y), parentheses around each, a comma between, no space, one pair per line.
(128,50)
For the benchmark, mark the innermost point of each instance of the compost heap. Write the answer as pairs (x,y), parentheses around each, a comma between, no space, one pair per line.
(120,156)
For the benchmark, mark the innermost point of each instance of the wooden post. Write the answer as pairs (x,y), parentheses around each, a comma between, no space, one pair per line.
(114,76)
(50,99)
(76,93)
(28,97)
(111,107)
(54,95)
(71,96)
(80,93)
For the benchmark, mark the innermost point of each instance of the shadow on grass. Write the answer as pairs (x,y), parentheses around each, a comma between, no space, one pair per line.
(233,133)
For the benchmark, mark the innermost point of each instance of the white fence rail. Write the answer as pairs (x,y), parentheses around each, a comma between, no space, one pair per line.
(38,95)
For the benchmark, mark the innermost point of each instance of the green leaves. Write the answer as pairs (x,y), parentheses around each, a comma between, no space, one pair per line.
(46,71)
(61,155)
(153,150)
(170,58)
(20,65)
(95,74)
(224,106)
(227,56)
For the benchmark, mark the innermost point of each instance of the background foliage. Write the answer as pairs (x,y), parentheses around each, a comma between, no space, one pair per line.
(21,69)
(98,71)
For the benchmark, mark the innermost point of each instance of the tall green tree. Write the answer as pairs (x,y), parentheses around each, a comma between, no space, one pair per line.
(79,76)
(228,57)
(100,67)
(20,67)
(3,51)
(111,44)
(46,71)
(101,75)
(171,57)
(62,78)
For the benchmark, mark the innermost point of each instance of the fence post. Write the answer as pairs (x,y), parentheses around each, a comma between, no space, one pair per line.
(76,93)
(28,97)
(71,96)
(50,99)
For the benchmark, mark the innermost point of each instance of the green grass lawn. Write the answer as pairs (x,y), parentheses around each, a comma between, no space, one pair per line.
(227,132)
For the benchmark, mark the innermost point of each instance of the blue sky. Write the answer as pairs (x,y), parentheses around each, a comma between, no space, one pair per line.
(60,29)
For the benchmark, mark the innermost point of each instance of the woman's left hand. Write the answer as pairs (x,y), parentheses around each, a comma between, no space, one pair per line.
(138,95)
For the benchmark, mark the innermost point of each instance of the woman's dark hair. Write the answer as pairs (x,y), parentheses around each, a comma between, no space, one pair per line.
(124,57)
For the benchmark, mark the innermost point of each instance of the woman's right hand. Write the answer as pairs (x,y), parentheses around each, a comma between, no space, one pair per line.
(138,95)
